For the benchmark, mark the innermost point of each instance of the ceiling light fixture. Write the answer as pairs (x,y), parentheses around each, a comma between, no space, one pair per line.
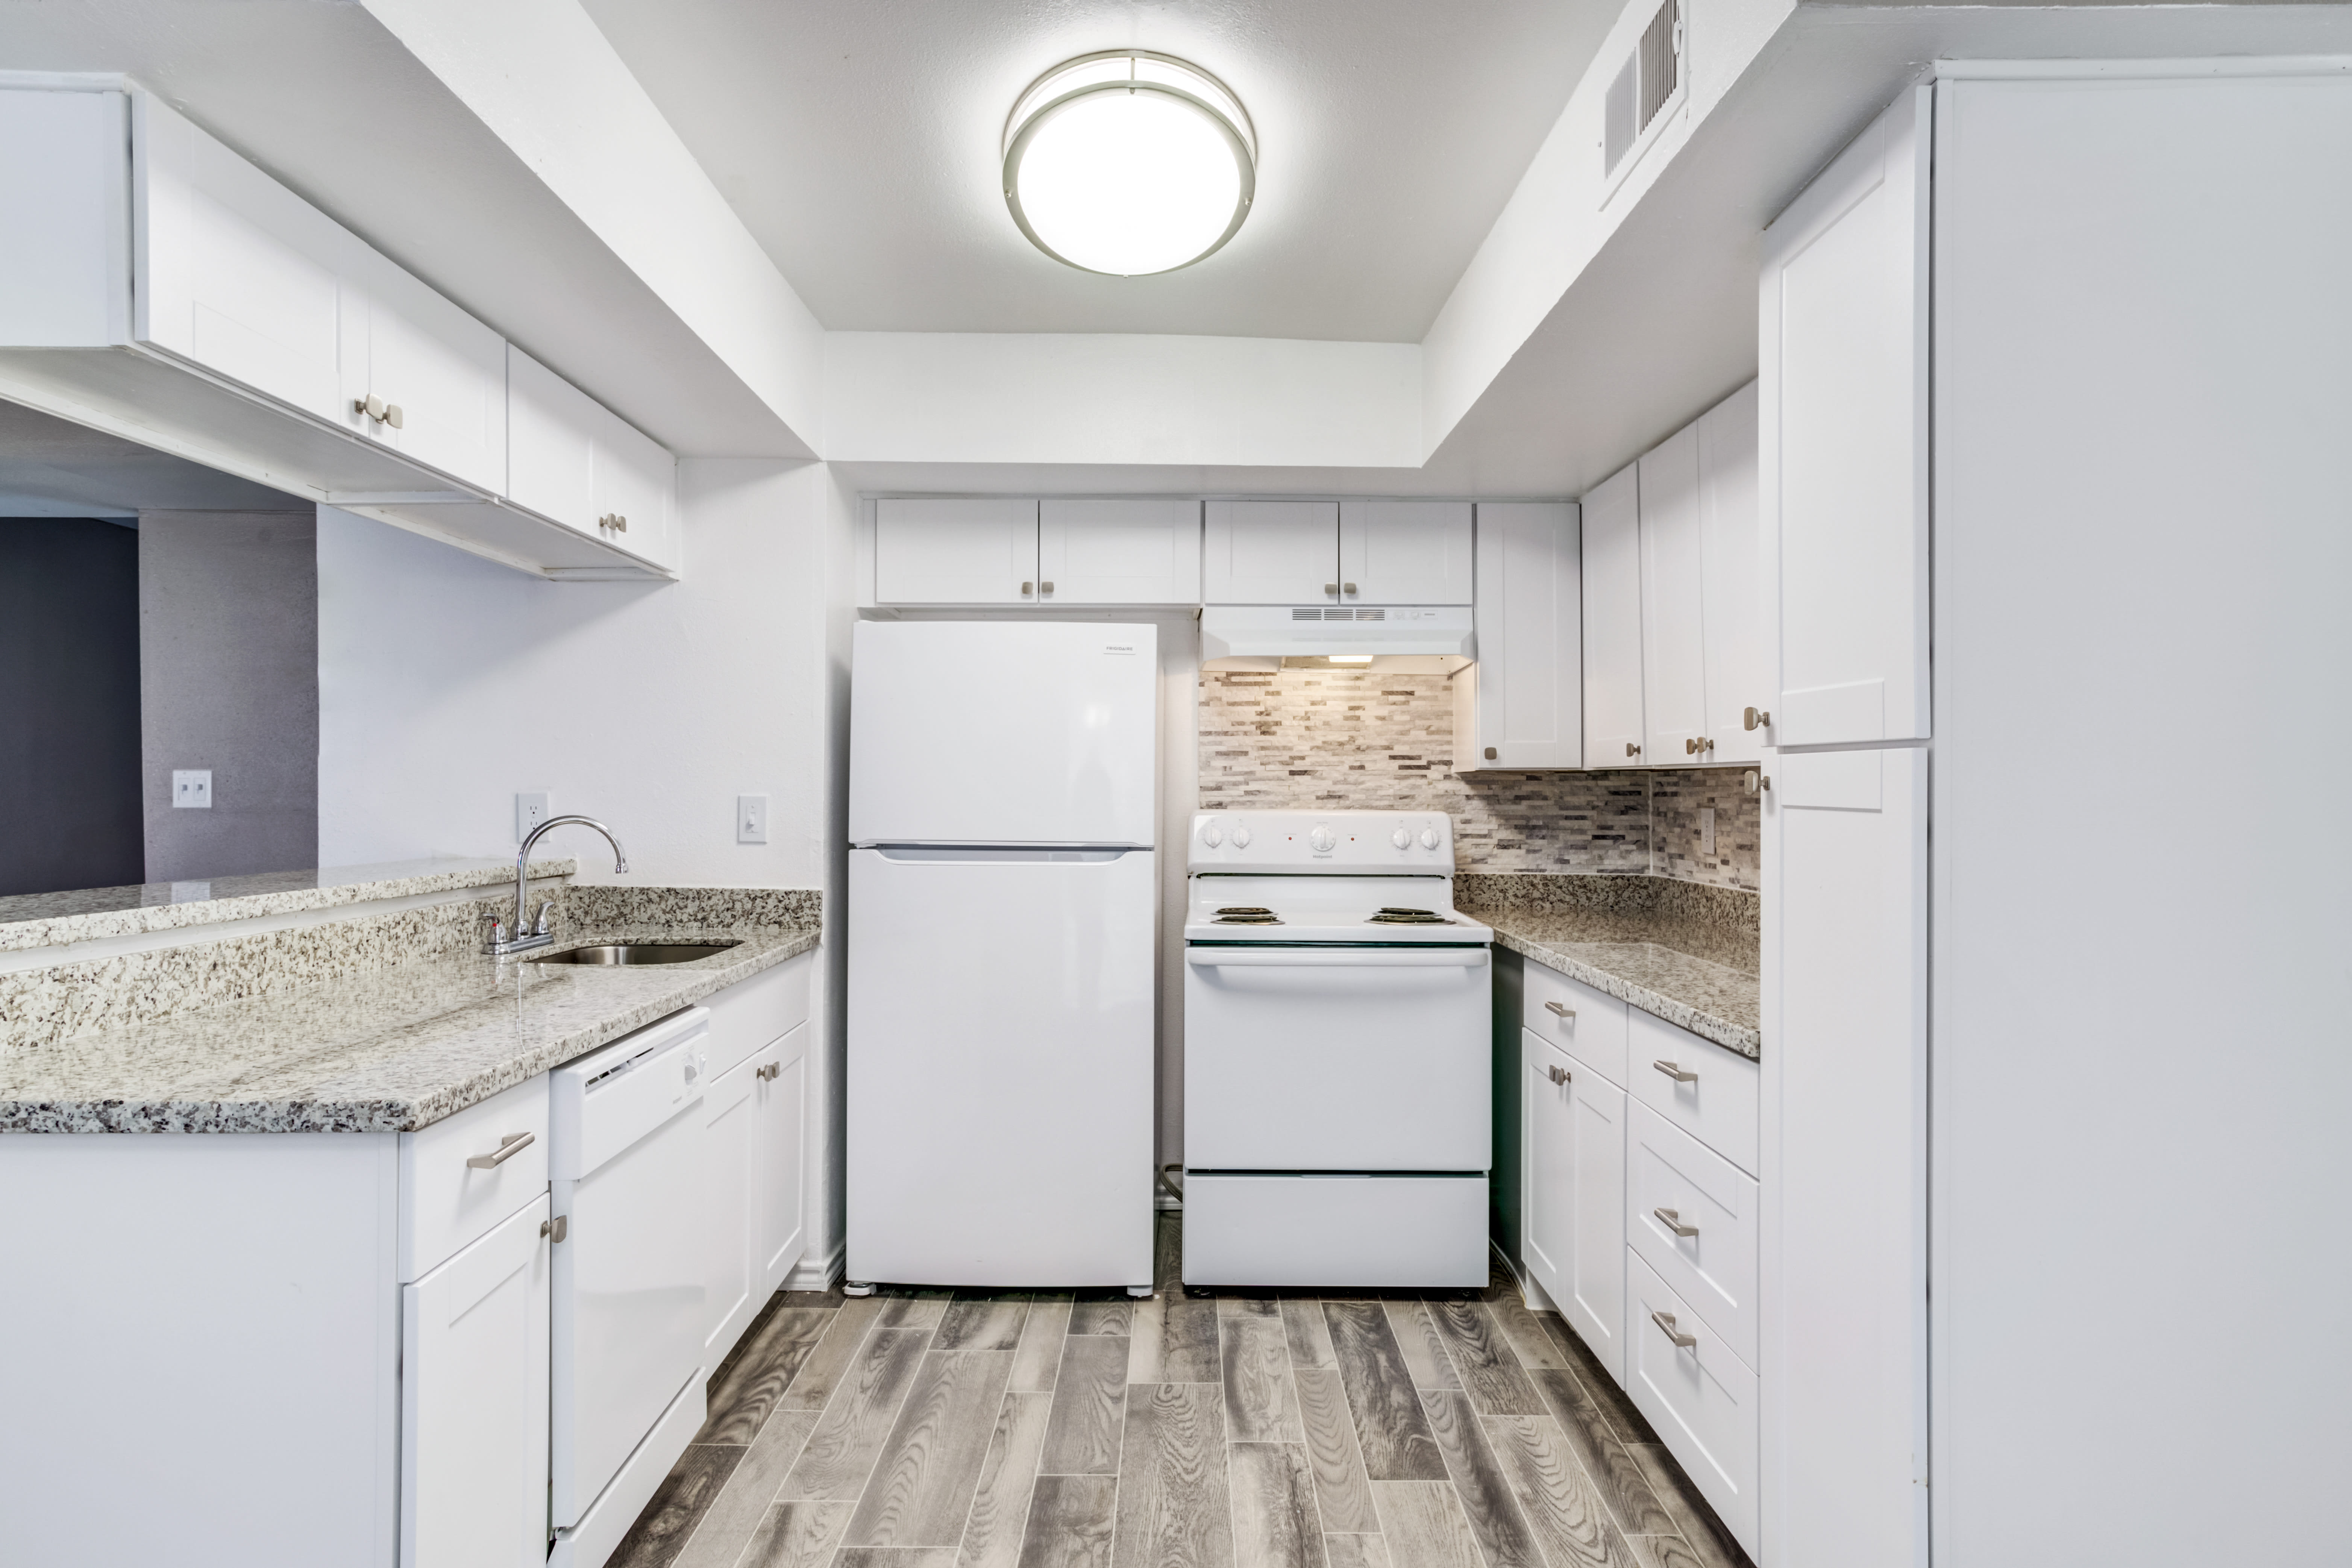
(1129,162)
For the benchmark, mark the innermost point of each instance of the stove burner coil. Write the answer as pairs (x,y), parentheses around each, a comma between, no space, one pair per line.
(1390,915)
(1245,915)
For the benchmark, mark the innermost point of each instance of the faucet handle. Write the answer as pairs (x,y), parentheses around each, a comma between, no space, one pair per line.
(539,923)
(498,927)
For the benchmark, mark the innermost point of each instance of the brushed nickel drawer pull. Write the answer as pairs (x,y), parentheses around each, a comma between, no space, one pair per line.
(1682,1342)
(1673,1220)
(1556,1009)
(1632,750)
(1755,719)
(1674,1071)
(556,1229)
(1557,1073)
(769,1071)
(511,1145)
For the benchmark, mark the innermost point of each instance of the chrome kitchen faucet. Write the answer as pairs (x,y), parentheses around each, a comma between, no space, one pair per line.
(528,935)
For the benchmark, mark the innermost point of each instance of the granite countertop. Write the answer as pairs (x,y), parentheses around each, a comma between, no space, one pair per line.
(388,1051)
(84,914)
(1697,974)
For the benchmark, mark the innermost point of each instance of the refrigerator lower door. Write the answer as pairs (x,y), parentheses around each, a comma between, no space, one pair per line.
(1000,1066)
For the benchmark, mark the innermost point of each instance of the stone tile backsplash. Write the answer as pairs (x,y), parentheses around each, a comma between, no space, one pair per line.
(1367,740)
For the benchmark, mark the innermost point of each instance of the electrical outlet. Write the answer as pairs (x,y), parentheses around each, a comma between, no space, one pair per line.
(751,819)
(1706,830)
(530,810)
(192,787)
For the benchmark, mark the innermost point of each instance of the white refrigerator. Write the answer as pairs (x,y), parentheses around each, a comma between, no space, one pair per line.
(1003,803)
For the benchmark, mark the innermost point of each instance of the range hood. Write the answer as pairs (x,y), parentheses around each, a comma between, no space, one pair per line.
(1408,639)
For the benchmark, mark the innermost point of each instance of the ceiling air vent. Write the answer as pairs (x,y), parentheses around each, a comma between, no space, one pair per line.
(1648,84)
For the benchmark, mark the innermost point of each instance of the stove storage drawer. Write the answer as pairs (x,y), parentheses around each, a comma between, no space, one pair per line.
(1338,1059)
(1587,1024)
(1397,1233)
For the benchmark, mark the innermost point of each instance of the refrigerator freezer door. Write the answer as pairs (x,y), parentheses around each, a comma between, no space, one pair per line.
(1000,1068)
(977,732)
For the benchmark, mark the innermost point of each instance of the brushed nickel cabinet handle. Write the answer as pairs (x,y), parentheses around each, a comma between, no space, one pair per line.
(1332,589)
(769,1071)
(511,1145)
(1556,1010)
(1632,750)
(1347,587)
(1557,1073)
(1682,1342)
(1690,747)
(393,416)
(1704,745)
(1028,587)
(1674,1071)
(1044,587)
(1490,753)
(1755,719)
(1756,783)
(1673,1220)
(556,1229)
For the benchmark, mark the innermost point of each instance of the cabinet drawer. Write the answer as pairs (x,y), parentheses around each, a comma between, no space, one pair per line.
(1672,1179)
(759,1011)
(1585,1023)
(1705,1090)
(1700,1396)
(444,1203)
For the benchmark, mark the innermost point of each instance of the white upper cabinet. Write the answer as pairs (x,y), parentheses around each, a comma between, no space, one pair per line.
(440,374)
(1521,704)
(955,551)
(1736,681)
(1271,552)
(1118,552)
(573,461)
(1843,461)
(1612,622)
(1404,552)
(634,489)
(1674,647)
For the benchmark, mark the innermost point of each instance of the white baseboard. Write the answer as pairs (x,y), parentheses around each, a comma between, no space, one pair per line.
(818,1273)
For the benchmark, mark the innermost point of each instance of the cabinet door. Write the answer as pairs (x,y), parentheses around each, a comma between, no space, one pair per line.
(1842,456)
(1844,1156)
(473,1396)
(636,481)
(955,551)
(1612,623)
(1118,552)
(1404,552)
(444,370)
(240,275)
(1673,654)
(1521,705)
(778,1209)
(1573,1135)
(730,1153)
(551,443)
(1728,588)
(1548,1144)
(1271,552)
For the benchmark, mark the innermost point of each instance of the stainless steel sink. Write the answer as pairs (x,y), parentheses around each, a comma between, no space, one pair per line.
(635,952)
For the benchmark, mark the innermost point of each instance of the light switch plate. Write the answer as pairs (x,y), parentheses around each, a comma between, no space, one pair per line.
(192,787)
(751,819)
(530,810)
(1706,830)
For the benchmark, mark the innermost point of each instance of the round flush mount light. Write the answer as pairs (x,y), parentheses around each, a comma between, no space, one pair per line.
(1129,162)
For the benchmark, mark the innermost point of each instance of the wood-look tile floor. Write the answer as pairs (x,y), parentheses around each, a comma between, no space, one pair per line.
(931,1429)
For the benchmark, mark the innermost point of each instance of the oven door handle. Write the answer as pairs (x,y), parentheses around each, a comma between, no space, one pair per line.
(1336,958)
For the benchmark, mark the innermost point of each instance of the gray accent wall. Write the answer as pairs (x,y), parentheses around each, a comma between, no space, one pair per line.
(69,808)
(229,619)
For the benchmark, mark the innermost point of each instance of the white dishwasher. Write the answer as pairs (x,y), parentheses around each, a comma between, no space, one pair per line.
(626,1379)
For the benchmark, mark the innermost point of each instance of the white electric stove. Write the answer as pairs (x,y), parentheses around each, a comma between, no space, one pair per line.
(1338,1050)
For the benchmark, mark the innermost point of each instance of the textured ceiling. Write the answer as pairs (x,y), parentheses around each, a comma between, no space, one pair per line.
(859,143)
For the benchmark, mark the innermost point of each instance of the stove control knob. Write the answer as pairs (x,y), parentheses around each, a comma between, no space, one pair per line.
(1240,838)
(1401,838)
(1319,838)
(1429,838)
(1212,836)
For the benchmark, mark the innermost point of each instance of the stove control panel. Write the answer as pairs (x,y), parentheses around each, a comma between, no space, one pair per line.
(1365,841)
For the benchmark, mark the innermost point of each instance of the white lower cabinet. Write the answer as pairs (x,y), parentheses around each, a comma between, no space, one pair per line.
(1574,1139)
(730,1137)
(473,1406)
(1698,1393)
(757,1216)
(779,1184)
(1691,1214)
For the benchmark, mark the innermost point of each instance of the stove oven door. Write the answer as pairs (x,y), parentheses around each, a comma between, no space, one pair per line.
(1337,1058)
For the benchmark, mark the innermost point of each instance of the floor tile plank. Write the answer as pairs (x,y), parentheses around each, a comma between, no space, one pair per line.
(1230,1304)
(1082,1434)
(990,1323)
(1147,1334)
(1559,1498)
(1189,1351)
(841,1451)
(1311,1341)
(1524,1331)
(1424,1353)
(1391,1427)
(796,1535)
(1173,1503)
(1341,1487)
(1424,1525)
(1040,1350)
(999,1504)
(1357,1551)
(1261,1403)
(1615,1406)
(1709,1542)
(1492,1376)
(1486,1499)
(912,1309)
(1622,1486)
(894,1557)
(742,1505)
(1099,1317)
(921,1488)
(677,1506)
(763,1366)
(1664,1552)
(1070,1522)
(1276,1521)
(820,1374)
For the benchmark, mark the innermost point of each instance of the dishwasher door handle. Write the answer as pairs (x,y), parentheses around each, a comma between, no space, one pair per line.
(1336,958)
